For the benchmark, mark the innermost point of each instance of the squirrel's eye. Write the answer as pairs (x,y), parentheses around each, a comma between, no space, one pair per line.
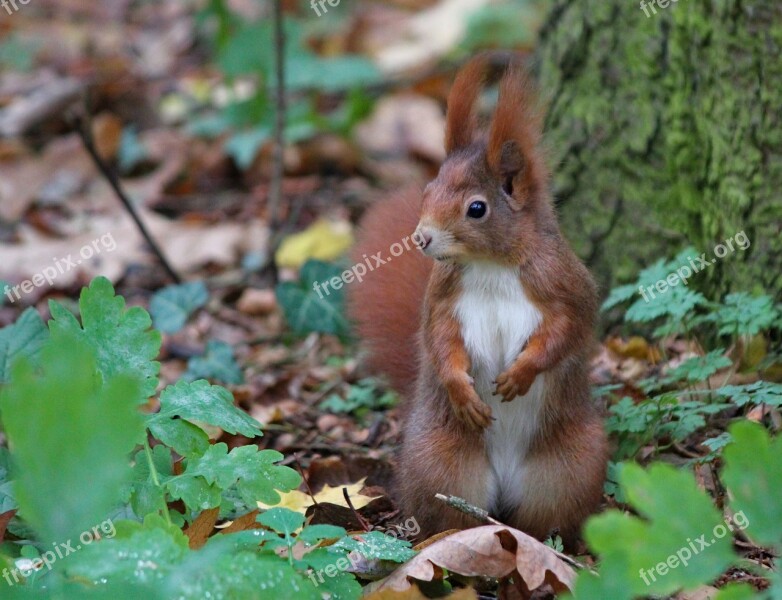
(477,210)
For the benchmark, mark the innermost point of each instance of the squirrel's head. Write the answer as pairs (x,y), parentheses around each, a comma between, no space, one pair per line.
(490,199)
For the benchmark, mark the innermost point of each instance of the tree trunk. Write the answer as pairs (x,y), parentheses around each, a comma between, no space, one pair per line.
(666,131)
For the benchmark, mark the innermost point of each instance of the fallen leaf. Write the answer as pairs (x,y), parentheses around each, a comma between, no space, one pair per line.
(257,302)
(300,501)
(490,551)
(324,240)
(199,530)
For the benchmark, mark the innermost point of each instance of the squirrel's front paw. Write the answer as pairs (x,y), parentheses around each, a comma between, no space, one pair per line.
(516,381)
(468,406)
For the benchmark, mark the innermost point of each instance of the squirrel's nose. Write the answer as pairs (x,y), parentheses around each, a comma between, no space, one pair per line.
(423,238)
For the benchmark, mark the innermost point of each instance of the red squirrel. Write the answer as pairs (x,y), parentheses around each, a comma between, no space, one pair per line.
(487,331)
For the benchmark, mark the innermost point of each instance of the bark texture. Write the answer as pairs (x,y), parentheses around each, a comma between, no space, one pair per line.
(665,131)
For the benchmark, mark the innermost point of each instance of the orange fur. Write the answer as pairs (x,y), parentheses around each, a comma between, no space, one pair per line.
(386,306)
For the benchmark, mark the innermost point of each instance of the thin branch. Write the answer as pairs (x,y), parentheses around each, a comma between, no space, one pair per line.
(278,168)
(108,173)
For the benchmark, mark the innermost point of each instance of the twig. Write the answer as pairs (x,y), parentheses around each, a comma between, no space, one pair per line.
(482,515)
(113,180)
(465,507)
(278,168)
(361,520)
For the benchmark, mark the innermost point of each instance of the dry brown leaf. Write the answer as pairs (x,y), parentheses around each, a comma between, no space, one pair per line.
(490,551)
(404,124)
(243,523)
(257,302)
(199,530)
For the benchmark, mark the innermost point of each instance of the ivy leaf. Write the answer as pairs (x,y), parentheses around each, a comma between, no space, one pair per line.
(25,337)
(200,401)
(376,545)
(700,368)
(218,364)
(653,555)
(121,338)
(172,306)
(251,472)
(760,392)
(753,474)
(64,450)
(310,306)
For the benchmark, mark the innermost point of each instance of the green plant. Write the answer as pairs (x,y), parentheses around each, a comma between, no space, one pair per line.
(90,470)
(308,308)
(680,540)
(245,53)
(361,398)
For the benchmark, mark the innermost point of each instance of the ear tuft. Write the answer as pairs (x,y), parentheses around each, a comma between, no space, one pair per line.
(514,137)
(461,120)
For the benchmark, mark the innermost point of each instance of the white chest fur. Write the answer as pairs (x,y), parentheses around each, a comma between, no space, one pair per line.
(496,320)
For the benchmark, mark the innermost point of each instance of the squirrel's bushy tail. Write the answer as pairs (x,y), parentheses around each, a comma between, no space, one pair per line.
(386,305)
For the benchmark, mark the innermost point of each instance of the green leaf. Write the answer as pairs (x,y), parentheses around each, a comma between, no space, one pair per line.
(253,473)
(307,71)
(308,308)
(376,545)
(121,338)
(700,368)
(753,474)
(760,392)
(743,314)
(619,295)
(218,363)
(361,397)
(646,556)
(68,429)
(282,520)
(139,554)
(186,438)
(243,575)
(195,491)
(25,337)
(737,591)
(313,534)
(199,401)
(171,307)
(146,497)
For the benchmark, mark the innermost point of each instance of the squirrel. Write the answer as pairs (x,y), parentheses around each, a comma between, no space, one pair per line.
(488,330)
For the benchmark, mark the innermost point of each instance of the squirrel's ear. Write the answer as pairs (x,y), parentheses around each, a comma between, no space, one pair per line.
(512,151)
(461,120)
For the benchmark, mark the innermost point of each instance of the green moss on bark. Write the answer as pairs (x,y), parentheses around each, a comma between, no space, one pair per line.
(666,131)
